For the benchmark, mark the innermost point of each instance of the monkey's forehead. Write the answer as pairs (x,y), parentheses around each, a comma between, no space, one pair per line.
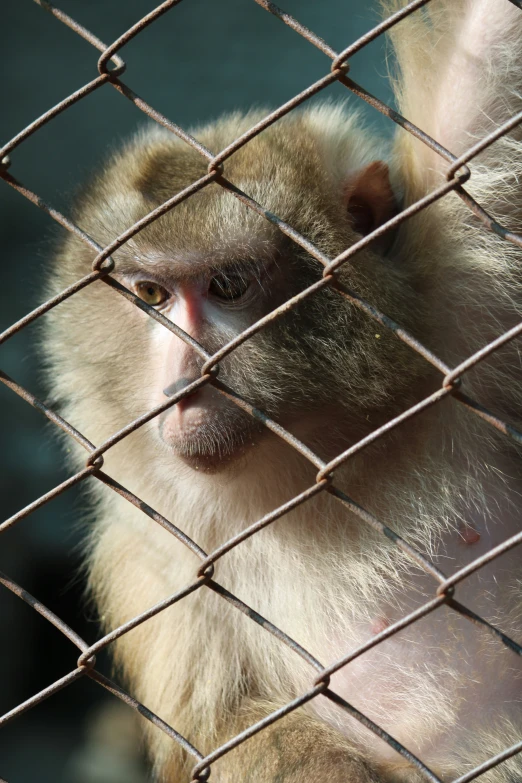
(294,169)
(168,262)
(301,150)
(269,169)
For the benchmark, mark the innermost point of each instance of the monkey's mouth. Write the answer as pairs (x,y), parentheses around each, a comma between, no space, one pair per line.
(206,430)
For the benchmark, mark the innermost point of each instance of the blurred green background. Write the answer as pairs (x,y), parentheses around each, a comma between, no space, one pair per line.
(201,59)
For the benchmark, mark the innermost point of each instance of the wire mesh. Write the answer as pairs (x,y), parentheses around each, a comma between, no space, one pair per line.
(111,69)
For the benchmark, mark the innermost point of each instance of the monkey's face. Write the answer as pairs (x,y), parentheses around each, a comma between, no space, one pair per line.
(214,267)
(300,369)
(212,305)
(288,370)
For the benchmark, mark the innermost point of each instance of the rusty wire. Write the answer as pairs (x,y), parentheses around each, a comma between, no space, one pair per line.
(456,175)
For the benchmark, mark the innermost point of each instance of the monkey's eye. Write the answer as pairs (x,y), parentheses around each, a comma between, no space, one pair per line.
(151,293)
(228,288)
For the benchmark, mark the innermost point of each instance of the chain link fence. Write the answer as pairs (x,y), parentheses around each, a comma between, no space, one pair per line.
(111,70)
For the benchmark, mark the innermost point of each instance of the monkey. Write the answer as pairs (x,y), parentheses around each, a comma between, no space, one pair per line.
(326,372)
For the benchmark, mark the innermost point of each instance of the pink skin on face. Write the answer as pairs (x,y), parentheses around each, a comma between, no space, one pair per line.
(190,310)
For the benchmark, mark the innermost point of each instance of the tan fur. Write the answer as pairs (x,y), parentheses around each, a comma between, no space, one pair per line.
(445,689)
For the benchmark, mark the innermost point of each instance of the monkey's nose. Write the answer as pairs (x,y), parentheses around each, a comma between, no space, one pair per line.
(177,386)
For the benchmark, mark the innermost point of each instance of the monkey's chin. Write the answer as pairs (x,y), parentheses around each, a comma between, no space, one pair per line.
(207,438)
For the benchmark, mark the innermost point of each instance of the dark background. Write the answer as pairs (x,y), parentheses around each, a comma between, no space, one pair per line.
(201,59)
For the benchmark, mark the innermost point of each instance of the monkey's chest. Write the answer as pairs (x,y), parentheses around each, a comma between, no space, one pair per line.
(436,683)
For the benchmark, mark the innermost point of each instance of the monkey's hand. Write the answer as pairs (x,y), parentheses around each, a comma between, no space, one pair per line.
(296,749)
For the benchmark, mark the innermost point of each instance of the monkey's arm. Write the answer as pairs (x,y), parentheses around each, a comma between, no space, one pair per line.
(460,74)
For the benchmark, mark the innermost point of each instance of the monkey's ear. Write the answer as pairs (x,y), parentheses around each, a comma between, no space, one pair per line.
(370,200)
